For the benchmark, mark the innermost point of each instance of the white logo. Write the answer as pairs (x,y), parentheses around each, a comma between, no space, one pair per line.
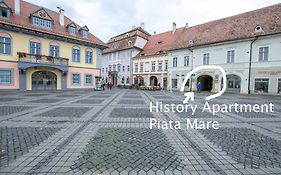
(190,95)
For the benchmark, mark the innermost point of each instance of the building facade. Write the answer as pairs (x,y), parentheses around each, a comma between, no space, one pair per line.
(117,58)
(151,65)
(43,50)
(247,46)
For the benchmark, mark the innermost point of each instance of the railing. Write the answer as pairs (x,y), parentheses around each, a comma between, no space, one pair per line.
(42,59)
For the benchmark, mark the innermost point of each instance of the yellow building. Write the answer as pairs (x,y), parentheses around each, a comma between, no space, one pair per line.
(43,50)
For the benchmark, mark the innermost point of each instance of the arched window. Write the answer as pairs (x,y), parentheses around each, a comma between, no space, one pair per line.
(5,44)
(76,54)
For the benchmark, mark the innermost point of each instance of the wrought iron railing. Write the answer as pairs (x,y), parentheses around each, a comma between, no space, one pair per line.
(42,59)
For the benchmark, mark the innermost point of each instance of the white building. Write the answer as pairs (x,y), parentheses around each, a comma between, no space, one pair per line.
(117,63)
(247,46)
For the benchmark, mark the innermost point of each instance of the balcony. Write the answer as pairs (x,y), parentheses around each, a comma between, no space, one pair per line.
(42,59)
(27,60)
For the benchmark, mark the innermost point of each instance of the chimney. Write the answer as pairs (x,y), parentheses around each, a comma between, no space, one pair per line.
(142,25)
(186,25)
(17,7)
(174,27)
(61,16)
(154,32)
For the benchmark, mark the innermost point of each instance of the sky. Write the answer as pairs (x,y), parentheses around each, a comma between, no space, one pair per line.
(107,18)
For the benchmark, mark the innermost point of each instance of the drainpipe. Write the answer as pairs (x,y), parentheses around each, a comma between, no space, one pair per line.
(250,64)
(190,81)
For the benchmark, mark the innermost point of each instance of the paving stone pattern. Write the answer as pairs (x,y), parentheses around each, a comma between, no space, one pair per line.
(130,113)
(15,141)
(114,138)
(7,110)
(247,146)
(66,112)
(128,149)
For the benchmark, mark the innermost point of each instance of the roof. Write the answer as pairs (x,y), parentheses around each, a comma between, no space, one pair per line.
(227,29)
(125,40)
(24,21)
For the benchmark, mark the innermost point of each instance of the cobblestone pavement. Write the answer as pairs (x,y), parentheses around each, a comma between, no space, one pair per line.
(88,132)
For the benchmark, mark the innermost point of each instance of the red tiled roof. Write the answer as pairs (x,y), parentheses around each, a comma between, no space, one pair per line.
(24,21)
(227,29)
(121,41)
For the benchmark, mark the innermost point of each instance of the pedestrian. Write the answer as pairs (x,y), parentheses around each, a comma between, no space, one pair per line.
(110,85)
(198,86)
(102,84)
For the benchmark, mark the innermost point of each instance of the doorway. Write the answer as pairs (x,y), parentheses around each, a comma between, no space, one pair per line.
(44,80)
(153,81)
(206,82)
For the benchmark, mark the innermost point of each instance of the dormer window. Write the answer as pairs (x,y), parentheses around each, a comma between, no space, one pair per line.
(160,42)
(5,10)
(258,29)
(71,28)
(41,18)
(84,31)
(41,22)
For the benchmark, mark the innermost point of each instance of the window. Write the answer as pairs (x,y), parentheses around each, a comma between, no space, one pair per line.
(75,79)
(84,33)
(166,65)
(4,12)
(106,69)
(146,66)
(72,30)
(186,61)
(263,53)
(119,67)
(160,65)
(89,79)
(206,59)
(128,80)
(5,45)
(136,67)
(75,55)
(123,80)
(89,57)
(128,68)
(141,67)
(153,66)
(123,68)
(102,70)
(42,22)
(174,83)
(6,77)
(110,67)
(261,84)
(114,67)
(54,51)
(175,62)
(35,48)
(230,56)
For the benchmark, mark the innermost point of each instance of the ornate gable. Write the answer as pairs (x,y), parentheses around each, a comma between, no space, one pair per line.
(41,13)
(72,24)
(85,28)
(4,5)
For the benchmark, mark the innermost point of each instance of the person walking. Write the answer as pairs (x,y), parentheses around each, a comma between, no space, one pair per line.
(110,85)
(198,86)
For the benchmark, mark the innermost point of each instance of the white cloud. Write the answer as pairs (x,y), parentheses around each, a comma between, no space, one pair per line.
(107,18)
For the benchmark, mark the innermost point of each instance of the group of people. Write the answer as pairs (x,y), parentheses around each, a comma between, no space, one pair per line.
(109,85)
